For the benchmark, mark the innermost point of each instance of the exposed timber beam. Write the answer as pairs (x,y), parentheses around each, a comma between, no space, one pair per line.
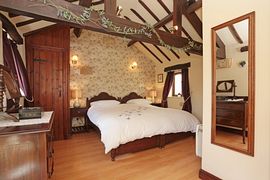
(11,29)
(84,3)
(24,23)
(183,29)
(149,50)
(166,29)
(235,34)
(36,9)
(110,7)
(160,50)
(164,6)
(244,49)
(177,16)
(152,13)
(143,20)
(193,7)
(97,3)
(162,22)
(221,50)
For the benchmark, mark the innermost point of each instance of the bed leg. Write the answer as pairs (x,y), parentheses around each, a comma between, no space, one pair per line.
(113,154)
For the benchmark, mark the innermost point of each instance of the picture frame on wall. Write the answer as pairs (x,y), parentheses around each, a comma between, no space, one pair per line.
(160,78)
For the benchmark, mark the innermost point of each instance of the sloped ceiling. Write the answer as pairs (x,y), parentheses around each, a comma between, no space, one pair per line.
(161,56)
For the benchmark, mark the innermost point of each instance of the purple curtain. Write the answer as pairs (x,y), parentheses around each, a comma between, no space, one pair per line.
(185,91)
(167,88)
(13,60)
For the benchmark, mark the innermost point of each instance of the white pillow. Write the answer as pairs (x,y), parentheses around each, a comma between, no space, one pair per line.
(139,101)
(104,103)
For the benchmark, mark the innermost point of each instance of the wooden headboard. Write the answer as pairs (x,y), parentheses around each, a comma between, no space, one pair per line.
(130,96)
(100,96)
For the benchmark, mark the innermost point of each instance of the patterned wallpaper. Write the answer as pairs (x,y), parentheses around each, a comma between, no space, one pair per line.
(104,65)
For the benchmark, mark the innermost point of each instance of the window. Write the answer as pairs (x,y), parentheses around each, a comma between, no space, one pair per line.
(177,85)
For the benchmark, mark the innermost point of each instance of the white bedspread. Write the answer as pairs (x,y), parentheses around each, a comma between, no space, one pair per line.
(127,122)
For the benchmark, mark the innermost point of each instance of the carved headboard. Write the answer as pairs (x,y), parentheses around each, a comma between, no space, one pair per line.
(130,96)
(100,96)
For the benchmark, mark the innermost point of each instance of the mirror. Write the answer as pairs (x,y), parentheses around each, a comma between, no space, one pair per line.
(233,83)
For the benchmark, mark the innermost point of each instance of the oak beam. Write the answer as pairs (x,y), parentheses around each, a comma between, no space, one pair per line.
(110,7)
(164,6)
(165,55)
(48,13)
(193,7)
(159,24)
(84,3)
(11,29)
(177,16)
(24,23)
(235,34)
(244,49)
(97,3)
(195,22)
(221,50)
(149,50)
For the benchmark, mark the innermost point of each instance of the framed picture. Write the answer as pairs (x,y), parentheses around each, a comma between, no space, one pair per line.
(160,78)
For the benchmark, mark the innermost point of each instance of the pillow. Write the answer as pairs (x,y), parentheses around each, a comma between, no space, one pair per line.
(104,103)
(139,101)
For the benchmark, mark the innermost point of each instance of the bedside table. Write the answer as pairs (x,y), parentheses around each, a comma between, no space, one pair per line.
(156,104)
(80,113)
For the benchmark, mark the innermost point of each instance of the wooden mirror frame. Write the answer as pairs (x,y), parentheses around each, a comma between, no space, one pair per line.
(251,82)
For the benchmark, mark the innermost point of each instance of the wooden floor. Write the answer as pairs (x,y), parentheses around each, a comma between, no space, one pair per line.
(231,139)
(82,157)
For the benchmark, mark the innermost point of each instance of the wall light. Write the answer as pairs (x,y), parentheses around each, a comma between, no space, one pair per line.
(173,29)
(133,65)
(74,60)
(119,10)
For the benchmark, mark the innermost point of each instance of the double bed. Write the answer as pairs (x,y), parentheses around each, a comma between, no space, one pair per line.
(132,124)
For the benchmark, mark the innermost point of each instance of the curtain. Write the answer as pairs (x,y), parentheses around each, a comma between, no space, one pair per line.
(185,91)
(13,60)
(167,88)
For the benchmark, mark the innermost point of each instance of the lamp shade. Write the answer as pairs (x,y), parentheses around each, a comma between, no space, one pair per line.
(153,93)
(76,93)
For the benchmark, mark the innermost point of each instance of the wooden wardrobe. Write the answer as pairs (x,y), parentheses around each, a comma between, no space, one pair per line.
(47,61)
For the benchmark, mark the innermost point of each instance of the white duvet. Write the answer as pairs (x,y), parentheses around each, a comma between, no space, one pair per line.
(124,123)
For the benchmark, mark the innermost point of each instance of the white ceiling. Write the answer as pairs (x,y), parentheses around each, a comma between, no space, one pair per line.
(227,37)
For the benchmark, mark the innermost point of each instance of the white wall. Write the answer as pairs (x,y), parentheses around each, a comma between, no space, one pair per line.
(195,80)
(235,72)
(225,163)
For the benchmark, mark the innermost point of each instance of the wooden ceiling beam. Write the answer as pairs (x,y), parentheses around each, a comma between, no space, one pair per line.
(183,29)
(24,23)
(11,29)
(195,22)
(110,7)
(221,50)
(143,20)
(244,49)
(159,22)
(36,9)
(177,16)
(149,50)
(151,13)
(235,34)
(164,6)
(97,3)
(84,3)
(193,7)
(12,15)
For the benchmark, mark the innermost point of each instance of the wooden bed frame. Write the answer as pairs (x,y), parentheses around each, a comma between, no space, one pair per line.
(140,144)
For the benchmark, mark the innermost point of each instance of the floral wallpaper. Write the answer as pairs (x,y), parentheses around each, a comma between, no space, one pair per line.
(104,65)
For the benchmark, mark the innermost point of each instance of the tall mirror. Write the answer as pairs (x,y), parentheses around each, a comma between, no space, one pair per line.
(233,83)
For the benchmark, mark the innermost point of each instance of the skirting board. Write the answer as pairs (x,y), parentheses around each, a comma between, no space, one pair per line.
(204,175)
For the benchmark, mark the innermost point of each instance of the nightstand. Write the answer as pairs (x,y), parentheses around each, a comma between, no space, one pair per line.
(156,104)
(79,113)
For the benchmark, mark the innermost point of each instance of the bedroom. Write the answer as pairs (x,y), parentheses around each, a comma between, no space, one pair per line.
(202,110)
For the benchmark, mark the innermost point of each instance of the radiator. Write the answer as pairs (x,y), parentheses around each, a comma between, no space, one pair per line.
(199,131)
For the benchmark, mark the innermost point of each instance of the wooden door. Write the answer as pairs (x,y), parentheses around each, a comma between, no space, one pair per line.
(48,70)
(47,78)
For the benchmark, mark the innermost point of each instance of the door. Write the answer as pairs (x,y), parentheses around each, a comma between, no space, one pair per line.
(46,68)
